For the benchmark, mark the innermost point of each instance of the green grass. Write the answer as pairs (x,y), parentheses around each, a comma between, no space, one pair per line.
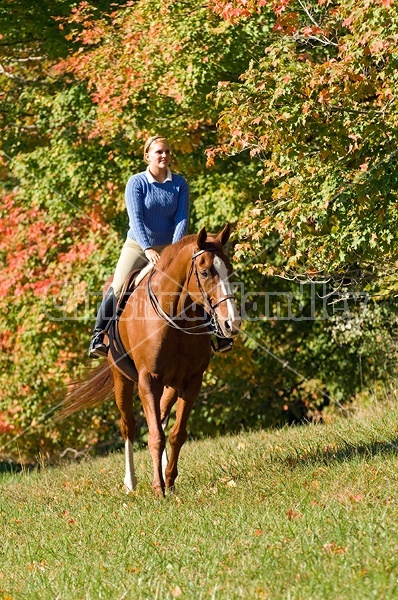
(299,513)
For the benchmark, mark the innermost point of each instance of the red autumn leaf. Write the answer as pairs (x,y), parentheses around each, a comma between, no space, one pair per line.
(293,514)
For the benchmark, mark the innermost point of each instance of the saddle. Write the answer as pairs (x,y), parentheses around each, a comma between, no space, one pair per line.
(119,354)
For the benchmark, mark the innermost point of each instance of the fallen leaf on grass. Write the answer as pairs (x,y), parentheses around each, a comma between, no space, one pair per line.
(176,592)
(37,565)
(333,548)
(363,572)
(357,498)
(134,570)
(347,498)
(293,514)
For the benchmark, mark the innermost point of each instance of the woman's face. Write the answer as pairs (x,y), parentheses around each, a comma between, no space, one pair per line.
(159,155)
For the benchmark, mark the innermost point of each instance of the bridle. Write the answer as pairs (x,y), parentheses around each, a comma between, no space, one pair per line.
(212,326)
(211,308)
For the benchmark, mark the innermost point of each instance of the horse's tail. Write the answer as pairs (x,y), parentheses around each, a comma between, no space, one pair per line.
(94,389)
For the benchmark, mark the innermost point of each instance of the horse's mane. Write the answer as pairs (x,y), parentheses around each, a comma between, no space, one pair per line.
(171,251)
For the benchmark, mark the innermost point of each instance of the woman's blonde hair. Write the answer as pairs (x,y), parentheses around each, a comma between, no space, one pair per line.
(152,140)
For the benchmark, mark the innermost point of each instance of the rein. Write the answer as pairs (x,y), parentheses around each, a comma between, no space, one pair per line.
(209,309)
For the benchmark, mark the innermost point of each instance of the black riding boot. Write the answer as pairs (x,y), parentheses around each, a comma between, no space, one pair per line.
(105,313)
(223,345)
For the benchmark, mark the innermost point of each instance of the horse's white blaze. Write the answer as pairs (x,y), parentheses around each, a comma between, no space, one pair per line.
(226,290)
(130,480)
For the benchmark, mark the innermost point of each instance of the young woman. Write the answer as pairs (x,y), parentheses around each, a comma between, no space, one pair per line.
(157,202)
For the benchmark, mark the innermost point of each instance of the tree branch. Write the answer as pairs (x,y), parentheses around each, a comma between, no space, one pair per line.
(22,81)
(325,41)
(27,59)
(9,75)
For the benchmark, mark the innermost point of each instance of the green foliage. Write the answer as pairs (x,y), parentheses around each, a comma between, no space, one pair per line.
(319,111)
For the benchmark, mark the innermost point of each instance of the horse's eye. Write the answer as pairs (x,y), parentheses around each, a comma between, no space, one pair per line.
(204,273)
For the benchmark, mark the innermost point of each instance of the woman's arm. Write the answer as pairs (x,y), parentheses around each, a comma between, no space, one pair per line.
(135,209)
(182,213)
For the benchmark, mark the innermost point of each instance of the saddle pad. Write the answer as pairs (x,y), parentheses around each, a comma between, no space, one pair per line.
(141,274)
(120,356)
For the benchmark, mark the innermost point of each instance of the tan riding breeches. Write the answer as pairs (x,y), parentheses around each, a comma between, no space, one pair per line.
(132,257)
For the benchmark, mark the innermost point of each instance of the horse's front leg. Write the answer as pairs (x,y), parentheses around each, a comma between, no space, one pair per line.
(178,433)
(150,391)
(167,401)
(124,389)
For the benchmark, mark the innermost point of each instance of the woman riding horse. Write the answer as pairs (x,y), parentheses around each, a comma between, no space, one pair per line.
(164,328)
(157,203)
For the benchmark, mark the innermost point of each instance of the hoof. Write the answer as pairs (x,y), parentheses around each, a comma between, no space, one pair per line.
(159,491)
(130,484)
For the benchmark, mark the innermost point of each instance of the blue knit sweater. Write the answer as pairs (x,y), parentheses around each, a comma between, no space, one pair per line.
(158,212)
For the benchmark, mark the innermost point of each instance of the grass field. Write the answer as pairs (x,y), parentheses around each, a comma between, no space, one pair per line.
(299,513)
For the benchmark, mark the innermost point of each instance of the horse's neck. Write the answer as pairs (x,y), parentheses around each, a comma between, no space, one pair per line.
(172,284)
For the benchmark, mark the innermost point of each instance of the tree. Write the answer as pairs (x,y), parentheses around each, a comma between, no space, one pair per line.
(319,112)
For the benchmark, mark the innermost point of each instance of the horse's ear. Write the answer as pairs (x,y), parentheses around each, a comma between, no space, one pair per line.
(202,235)
(223,237)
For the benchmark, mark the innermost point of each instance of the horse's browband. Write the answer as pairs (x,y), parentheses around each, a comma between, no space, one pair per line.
(199,252)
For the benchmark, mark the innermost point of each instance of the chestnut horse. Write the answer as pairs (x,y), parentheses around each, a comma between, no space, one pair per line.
(165,329)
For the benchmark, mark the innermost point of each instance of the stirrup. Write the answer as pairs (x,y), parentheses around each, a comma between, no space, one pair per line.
(97,347)
(223,345)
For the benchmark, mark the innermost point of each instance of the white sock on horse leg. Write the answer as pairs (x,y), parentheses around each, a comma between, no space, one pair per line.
(130,480)
(165,459)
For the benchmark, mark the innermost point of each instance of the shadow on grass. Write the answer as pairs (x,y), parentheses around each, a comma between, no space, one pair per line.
(342,454)
(10,467)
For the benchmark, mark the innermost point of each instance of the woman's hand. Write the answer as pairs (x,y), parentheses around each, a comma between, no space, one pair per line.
(152,255)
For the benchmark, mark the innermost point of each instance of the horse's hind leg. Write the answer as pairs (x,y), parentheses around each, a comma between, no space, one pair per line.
(124,390)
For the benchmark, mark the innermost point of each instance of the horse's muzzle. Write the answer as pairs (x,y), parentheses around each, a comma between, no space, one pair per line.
(230,327)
